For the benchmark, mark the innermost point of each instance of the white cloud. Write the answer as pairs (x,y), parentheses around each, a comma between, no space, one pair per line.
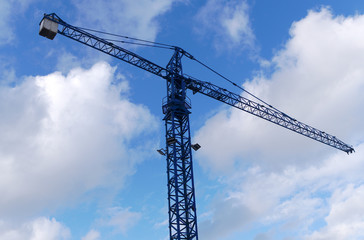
(229,22)
(7,72)
(7,7)
(132,18)
(92,235)
(345,220)
(280,179)
(324,91)
(294,197)
(63,136)
(67,61)
(7,33)
(120,219)
(45,229)
(39,229)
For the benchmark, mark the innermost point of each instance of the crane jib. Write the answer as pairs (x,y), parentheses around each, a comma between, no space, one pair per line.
(49,29)
(266,113)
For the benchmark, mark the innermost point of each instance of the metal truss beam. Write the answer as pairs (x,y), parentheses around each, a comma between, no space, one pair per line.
(266,113)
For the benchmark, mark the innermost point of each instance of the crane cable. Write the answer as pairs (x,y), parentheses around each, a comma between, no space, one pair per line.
(241,88)
(148,43)
(139,44)
(145,42)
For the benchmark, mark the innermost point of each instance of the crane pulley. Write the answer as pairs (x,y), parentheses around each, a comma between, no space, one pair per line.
(181,192)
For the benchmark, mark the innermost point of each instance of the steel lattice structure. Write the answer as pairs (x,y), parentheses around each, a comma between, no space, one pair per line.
(181,192)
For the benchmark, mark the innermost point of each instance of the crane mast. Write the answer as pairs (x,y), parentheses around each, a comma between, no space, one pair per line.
(181,191)
(176,105)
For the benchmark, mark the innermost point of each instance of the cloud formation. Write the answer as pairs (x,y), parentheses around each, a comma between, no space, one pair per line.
(229,21)
(92,235)
(7,18)
(345,219)
(132,18)
(318,79)
(281,179)
(65,135)
(7,33)
(39,229)
(120,219)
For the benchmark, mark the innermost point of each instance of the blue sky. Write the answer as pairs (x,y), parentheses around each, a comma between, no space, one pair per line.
(79,130)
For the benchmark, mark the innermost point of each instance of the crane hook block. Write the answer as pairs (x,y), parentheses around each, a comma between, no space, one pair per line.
(48,28)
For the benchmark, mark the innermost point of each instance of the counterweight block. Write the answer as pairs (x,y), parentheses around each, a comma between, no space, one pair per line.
(48,28)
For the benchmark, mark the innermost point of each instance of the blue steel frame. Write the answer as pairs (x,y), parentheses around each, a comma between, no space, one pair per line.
(181,193)
(199,86)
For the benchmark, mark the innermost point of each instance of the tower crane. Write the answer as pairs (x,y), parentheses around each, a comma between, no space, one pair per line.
(176,109)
